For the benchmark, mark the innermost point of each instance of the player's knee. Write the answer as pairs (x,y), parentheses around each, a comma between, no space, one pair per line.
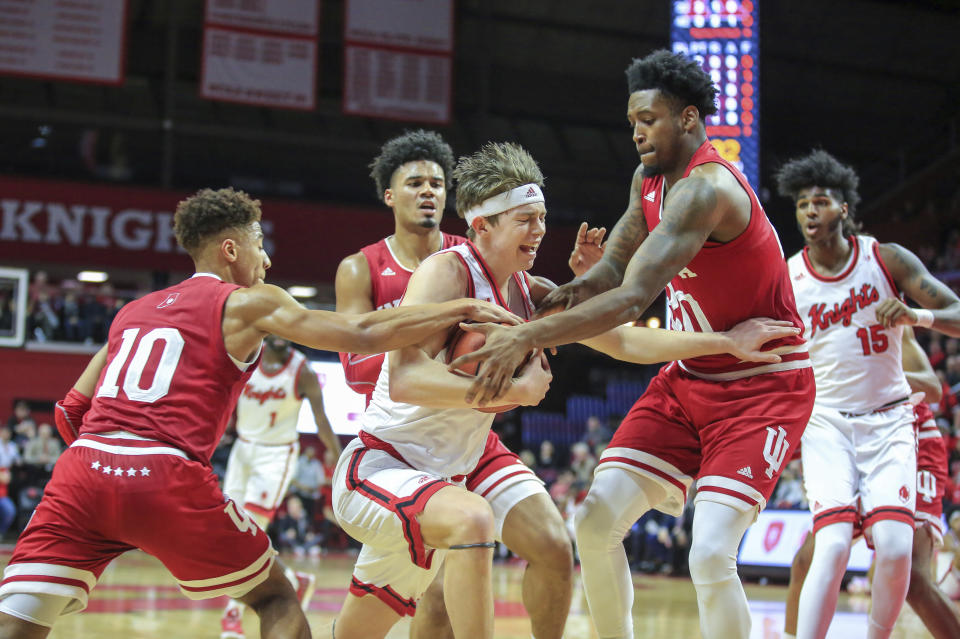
(553,548)
(474,523)
(711,561)
(593,524)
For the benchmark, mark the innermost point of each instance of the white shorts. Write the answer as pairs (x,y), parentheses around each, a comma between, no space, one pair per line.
(511,495)
(258,475)
(376,499)
(860,468)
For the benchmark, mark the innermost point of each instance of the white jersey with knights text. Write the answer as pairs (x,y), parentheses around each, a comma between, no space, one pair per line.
(856,362)
(445,442)
(269,405)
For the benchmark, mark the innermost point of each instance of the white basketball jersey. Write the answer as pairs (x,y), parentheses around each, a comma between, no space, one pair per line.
(269,405)
(445,442)
(857,364)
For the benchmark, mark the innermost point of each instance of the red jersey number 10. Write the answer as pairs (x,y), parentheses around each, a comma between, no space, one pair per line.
(169,358)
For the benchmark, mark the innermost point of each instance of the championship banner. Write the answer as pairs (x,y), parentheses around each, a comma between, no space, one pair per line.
(398,59)
(263,56)
(73,41)
(296,17)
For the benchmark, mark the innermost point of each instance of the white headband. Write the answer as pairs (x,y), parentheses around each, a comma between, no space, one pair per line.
(526,194)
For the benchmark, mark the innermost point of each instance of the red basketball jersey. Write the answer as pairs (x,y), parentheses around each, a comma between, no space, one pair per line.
(388,282)
(388,279)
(168,375)
(726,283)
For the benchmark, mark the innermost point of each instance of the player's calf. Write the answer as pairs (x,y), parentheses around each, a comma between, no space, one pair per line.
(275,602)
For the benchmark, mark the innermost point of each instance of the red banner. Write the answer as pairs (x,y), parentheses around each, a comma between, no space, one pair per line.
(99,226)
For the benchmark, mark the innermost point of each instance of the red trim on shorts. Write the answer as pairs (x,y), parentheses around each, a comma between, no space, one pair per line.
(406,509)
(648,468)
(386,594)
(887,513)
(835,515)
(51,579)
(132,442)
(296,380)
(260,510)
(221,586)
(726,491)
(374,442)
(523,471)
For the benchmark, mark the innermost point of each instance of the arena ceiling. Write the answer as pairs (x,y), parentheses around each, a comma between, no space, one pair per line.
(876,82)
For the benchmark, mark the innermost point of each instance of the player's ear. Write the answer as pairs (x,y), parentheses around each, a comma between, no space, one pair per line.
(388,197)
(689,117)
(228,248)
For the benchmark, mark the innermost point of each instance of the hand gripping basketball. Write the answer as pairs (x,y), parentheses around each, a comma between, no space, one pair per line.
(464,342)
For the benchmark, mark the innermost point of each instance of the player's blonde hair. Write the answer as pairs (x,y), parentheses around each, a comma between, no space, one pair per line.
(496,168)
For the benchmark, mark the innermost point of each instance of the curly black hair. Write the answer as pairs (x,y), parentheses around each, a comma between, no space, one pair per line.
(677,77)
(208,213)
(819,168)
(412,146)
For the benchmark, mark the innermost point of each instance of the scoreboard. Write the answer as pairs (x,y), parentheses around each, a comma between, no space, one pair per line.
(722,36)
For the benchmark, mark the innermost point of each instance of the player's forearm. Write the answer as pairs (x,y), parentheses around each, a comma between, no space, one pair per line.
(947,320)
(392,328)
(642,345)
(588,319)
(927,383)
(416,379)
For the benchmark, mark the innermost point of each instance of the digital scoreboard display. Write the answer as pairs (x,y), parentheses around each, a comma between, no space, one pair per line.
(722,36)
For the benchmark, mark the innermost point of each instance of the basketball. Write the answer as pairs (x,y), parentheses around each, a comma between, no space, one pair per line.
(464,342)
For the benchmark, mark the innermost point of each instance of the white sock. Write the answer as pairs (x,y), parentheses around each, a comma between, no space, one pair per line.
(233,604)
(818,597)
(717,531)
(617,498)
(891,575)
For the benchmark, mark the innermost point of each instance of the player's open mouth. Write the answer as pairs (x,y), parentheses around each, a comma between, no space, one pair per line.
(428,207)
(811,227)
(530,249)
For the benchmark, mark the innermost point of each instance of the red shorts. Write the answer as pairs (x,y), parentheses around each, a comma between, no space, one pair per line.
(931,480)
(503,480)
(109,495)
(734,437)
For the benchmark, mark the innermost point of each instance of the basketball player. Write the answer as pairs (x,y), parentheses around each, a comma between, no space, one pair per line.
(927,600)
(138,474)
(264,455)
(411,175)
(409,448)
(859,450)
(695,226)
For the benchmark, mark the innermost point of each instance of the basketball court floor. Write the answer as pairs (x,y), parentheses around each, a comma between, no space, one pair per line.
(137,599)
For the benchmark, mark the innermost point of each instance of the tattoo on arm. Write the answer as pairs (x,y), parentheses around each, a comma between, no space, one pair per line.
(627,235)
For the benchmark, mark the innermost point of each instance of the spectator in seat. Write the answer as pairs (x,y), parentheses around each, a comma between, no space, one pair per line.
(295,530)
(44,449)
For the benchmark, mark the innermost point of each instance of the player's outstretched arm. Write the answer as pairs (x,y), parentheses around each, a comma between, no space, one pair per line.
(693,209)
(608,272)
(68,412)
(916,366)
(309,387)
(251,313)
(642,345)
(416,377)
(354,291)
(913,278)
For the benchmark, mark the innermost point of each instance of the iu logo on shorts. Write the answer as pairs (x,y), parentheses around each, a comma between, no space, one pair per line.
(926,485)
(775,449)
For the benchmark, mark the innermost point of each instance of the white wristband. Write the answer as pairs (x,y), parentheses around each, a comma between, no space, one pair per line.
(924,317)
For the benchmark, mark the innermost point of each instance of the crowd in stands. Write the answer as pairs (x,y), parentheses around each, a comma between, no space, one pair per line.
(69,311)
(27,453)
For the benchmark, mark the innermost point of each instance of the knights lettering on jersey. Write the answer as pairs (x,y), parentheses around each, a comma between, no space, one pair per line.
(856,361)
(269,407)
(444,442)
